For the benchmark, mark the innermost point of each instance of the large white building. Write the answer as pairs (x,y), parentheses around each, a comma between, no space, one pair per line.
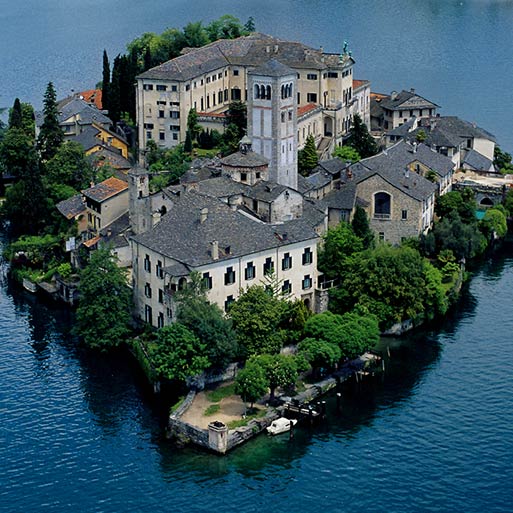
(210,77)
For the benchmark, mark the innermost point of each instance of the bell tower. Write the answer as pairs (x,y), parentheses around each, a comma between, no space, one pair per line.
(272,119)
(139,200)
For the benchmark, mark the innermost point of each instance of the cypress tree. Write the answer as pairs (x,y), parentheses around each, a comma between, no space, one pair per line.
(115,91)
(106,82)
(148,60)
(187,146)
(361,228)
(16,117)
(307,157)
(360,139)
(50,135)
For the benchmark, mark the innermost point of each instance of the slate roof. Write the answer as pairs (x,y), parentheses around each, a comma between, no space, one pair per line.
(476,161)
(266,191)
(87,138)
(182,236)
(272,68)
(454,127)
(401,154)
(115,232)
(319,179)
(115,159)
(332,166)
(404,129)
(71,207)
(403,101)
(252,50)
(343,198)
(249,159)
(106,189)
(221,187)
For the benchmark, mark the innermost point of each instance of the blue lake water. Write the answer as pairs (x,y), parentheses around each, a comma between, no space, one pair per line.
(79,431)
(457,53)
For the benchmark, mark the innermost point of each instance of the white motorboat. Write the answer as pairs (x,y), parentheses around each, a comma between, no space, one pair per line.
(281,425)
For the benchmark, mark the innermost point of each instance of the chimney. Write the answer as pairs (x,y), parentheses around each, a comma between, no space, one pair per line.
(407,172)
(203,215)
(276,48)
(414,147)
(412,90)
(214,250)
(267,49)
(393,95)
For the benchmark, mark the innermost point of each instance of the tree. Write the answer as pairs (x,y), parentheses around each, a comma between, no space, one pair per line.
(360,139)
(69,166)
(502,160)
(494,223)
(193,127)
(508,202)
(177,353)
(280,370)
(462,203)
(361,227)
(249,26)
(338,244)
(50,135)
(358,334)
(347,154)
(319,353)
(307,157)
(256,316)
(106,82)
(187,146)
(18,154)
(15,116)
(251,382)
(103,314)
(207,322)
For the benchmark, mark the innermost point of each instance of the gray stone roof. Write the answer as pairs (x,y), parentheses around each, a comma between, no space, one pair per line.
(265,191)
(343,198)
(455,128)
(116,232)
(476,161)
(406,100)
(176,270)
(182,236)
(404,129)
(252,50)
(401,154)
(332,166)
(249,159)
(272,68)
(73,106)
(71,207)
(303,185)
(112,157)
(220,187)
(319,179)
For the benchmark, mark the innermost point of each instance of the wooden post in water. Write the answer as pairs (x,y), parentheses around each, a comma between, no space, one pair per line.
(323,409)
(291,430)
(339,395)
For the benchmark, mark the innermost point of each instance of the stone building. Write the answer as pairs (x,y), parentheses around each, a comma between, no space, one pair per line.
(210,77)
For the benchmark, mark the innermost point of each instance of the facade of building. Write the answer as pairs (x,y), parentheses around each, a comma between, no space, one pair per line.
(211,77)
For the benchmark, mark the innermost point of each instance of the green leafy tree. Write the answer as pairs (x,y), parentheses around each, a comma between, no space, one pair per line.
(103,314)
(307,157)
(280,370)
(502,161)
(18,154)
(251,382)
(207,322)
(338,244)
(421,136)
(362,229)
(463,203)
(508,202)
(347,154)
(494,223)
(256,317)
(319,353)
(192,124)
(226,27)
(177,353)
(69,166)
(358,334)
(360,139)
(50,135)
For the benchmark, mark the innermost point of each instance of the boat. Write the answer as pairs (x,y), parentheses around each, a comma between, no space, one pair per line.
(281,425)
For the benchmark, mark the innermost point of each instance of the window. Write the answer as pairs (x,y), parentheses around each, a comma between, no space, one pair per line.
(257,176)
(147,314)
(207,281)
(161,296)
(286,287)
(161,102)
(161,88)
(307,256)
(283,117)
(174,88)
(311,97)
(236,95)
(290,115)
(235,72)
(286,262)
(225,93)
(332,74)
(220,97)
(219,75)
(148,87)
(243,177)
(208,80)
(307,282)
(174,128)
(147,263)
(311,76)
(175,137)
(148,126)
(229,276)
(250,271)
(147,290)
(382,202)
(404,215)
(187,87)
(162,136)
(160,320)
(174,114)
(268,266)
(169,313)
(228,302)
(381,236)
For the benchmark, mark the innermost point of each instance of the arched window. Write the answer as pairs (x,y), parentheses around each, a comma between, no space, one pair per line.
(262,92)
(268,92)
(486,202)
(382,204)
(257,92)
(283,92)
(182,282)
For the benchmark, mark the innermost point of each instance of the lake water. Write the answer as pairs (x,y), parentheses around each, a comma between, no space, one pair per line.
(79,431)
(457,53)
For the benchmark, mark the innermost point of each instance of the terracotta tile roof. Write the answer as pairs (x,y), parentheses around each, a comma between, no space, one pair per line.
(212,114)
(378,96)
(91,242)
(93,96)
(359,83)
(305,108)
(106,189)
